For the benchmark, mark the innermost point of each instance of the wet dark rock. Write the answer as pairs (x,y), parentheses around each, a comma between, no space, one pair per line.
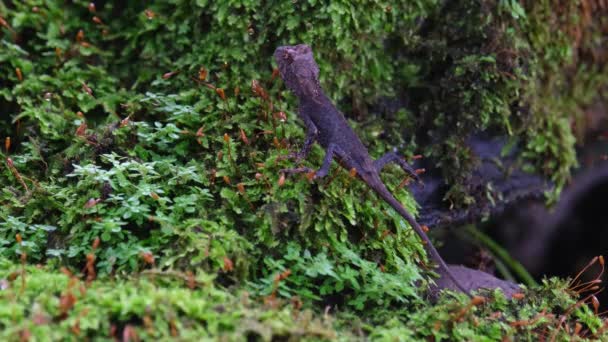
(495,184)
(557,241)
(473,280)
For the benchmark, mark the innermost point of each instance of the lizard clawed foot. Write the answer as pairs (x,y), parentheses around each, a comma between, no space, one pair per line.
(297,170)
(310,173)
(292,155)
(422,185)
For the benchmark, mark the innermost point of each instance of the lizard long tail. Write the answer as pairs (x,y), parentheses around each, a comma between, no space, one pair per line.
(383,192)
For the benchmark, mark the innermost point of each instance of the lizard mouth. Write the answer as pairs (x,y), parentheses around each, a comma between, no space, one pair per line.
(285,54)
(289,53)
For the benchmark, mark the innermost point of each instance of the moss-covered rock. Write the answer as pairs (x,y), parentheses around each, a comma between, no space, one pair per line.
(42,303)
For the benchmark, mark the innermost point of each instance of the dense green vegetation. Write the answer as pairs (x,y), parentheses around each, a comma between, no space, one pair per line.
(141,193)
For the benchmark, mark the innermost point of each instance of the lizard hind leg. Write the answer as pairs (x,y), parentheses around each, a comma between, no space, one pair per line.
(311,137)
(390,157)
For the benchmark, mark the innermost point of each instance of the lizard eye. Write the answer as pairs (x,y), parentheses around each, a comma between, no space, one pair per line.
(288,57)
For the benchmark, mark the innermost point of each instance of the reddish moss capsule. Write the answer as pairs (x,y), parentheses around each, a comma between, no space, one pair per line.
(220,93)
(81,130)
(202,74)
(169,75)
(244,137)
(275,74)
(282,116)
(228,265)
(310,175)
(596,303)
(80,36)
(478,300)
(518,296)
(87,89)
(124,122)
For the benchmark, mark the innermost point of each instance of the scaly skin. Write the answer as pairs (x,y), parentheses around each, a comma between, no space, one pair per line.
(325,124)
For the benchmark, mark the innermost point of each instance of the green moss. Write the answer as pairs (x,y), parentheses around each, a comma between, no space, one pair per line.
(54,306)
(169,304)
(566,76)
(112,139)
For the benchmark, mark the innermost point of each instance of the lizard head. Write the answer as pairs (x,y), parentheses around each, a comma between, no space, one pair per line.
(298,69)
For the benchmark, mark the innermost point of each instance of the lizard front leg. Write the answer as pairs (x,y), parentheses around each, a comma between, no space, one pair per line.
(332,149)
(311,136)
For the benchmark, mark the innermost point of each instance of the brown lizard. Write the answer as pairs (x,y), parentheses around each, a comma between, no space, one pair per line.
(325,124)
